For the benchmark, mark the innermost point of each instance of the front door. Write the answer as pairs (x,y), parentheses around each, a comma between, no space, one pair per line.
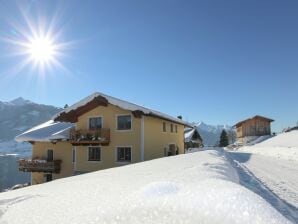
(50,155)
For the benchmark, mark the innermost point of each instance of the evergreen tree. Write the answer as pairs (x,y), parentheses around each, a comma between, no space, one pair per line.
(224,140)
(66,106)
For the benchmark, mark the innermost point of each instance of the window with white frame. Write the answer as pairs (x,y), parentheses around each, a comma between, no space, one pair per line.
(124,122)
(123,154)
(94,154)
(95,123)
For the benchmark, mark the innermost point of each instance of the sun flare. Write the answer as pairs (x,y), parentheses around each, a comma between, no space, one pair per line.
(40,47)
(41,50)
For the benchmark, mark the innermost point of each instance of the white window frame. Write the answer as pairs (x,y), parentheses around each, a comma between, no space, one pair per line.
(94,161)
(116,154)
(88,121)
(131,123)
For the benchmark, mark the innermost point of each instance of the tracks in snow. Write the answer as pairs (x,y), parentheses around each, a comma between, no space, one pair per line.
(250,181)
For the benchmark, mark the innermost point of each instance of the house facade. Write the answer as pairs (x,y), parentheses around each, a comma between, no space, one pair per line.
(97,133)
(252,128)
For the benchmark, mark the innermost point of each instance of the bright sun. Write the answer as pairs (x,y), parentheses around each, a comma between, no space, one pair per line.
(39,44)
(41,49)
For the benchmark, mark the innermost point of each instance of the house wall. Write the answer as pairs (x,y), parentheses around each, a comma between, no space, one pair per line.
(61,150)
(256,127)
(253,127)
(156,141)
(117,138)
(239,131)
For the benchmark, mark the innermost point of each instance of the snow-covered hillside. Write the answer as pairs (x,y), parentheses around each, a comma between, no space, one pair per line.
(274,163)
(199,187)
(18,116)
(284,145)
(211,133)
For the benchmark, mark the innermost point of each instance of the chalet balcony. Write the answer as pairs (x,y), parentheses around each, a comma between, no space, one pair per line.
(37,165)
(90,137)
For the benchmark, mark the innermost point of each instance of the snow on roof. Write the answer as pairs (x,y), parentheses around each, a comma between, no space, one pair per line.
(47,131)
(198,187)
(188,134)
(124,105)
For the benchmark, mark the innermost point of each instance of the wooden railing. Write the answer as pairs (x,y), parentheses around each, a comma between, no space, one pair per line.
(35,165)
(85,137)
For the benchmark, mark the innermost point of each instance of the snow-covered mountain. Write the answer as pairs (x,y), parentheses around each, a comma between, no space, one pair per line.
(17,116)
(211,133)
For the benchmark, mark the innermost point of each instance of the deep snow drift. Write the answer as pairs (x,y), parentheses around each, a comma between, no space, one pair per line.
(284,146)
(199,187)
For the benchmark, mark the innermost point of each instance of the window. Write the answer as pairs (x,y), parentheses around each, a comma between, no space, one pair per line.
(50,155)
(176,129)
(95,123)
(73,155)
(123,154)
(123,122)
(94,154)
(172,128)
(164,126)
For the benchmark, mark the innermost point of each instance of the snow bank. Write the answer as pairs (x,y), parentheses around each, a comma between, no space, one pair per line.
(287,139)
(258,140)
(198,187)
(284,146)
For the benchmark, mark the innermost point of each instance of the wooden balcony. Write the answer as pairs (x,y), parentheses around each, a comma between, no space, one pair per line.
(90,137)
(36,165)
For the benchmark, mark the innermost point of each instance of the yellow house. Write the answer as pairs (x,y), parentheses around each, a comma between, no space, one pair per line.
(100,132)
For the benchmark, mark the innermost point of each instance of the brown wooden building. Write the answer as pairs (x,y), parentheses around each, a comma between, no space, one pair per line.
(249,129)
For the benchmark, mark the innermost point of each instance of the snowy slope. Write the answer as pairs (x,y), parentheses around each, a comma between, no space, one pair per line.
(198,187)
(284,145)
(275,163)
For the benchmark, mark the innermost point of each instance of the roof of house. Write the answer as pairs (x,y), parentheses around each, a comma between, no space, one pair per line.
(46,132)
(71,113)
(189,132)
(252,118)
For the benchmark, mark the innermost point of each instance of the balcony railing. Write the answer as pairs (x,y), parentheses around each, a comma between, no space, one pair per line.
(87,137)
(36,165)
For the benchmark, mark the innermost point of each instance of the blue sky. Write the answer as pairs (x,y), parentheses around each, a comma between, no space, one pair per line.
(212,61)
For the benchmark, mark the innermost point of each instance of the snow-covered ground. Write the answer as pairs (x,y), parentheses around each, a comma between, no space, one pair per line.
(283,146)
(274,164)
(200,187)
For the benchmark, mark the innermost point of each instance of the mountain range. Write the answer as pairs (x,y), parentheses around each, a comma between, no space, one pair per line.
(211,133)
(18,116)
